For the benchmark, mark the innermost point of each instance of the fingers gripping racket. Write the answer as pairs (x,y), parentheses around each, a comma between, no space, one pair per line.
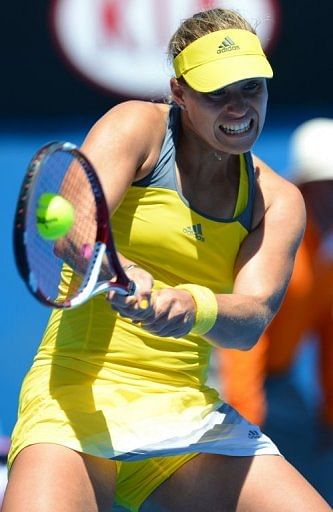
(63,244)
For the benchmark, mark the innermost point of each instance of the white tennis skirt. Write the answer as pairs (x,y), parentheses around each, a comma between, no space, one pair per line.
(223,432)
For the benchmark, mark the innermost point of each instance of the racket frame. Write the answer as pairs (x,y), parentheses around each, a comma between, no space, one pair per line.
(104,243)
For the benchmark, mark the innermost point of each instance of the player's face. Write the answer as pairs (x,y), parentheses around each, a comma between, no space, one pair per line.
(230,119)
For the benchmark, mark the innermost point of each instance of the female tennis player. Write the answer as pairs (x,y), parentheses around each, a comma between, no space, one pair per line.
(115,407)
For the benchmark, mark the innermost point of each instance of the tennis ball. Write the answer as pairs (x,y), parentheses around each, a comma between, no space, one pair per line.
(54,216)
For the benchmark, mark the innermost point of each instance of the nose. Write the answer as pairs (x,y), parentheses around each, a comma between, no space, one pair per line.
(237,104)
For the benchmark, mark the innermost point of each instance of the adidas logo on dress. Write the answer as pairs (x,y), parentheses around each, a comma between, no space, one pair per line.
(196,231)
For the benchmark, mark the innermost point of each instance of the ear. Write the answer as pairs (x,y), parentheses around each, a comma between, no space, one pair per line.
(177,91)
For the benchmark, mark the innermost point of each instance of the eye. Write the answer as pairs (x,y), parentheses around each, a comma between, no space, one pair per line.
(218,94)
(253,85)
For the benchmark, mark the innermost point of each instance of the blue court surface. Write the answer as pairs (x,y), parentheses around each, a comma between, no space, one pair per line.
(292,412)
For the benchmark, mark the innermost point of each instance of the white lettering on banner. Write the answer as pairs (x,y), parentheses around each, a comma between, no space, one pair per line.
(121,45)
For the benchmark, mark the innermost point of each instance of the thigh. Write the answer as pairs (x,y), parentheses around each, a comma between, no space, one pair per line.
(47,477)
(235,484)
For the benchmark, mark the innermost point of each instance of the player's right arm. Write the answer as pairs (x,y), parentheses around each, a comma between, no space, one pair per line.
(123,146)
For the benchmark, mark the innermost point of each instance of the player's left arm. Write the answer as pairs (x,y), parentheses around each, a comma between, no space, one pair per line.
(264,265)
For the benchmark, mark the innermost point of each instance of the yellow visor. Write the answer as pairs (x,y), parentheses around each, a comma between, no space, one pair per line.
(221,58)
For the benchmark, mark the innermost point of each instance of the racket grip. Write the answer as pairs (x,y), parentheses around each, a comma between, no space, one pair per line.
(132,288)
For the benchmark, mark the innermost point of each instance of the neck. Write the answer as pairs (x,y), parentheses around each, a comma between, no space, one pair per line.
(202,161)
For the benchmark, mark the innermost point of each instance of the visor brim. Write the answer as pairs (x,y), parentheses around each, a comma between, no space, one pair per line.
(219,73)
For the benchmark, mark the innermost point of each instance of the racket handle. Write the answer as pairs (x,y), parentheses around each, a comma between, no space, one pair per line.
(106,286)
(130,289)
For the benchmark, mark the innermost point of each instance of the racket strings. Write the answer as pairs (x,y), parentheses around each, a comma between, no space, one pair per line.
(57,266)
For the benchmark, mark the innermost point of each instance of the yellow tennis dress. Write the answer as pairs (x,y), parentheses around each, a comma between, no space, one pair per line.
(101,385)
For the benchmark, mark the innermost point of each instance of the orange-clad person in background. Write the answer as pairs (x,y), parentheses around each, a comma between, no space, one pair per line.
(308,305)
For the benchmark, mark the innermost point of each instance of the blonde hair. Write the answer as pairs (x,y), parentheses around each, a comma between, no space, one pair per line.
(203,23)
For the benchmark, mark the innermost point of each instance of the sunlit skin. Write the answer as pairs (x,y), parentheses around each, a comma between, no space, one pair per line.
(205,114)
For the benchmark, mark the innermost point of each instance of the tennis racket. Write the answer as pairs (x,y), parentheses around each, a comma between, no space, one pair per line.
(83,262)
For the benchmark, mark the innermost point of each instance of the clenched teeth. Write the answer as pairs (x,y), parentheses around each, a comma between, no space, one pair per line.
(236,128)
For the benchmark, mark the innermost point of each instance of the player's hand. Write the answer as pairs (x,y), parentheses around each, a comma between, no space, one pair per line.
(171,313)
(134,306)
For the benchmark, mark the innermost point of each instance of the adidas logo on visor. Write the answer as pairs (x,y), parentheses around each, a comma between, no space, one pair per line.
(227,45)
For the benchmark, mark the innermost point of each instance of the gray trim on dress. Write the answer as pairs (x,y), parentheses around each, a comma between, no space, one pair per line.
(163,175)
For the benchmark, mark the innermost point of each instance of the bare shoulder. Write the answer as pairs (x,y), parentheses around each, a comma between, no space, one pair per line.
(277,197)
(137,109)
(131,131)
